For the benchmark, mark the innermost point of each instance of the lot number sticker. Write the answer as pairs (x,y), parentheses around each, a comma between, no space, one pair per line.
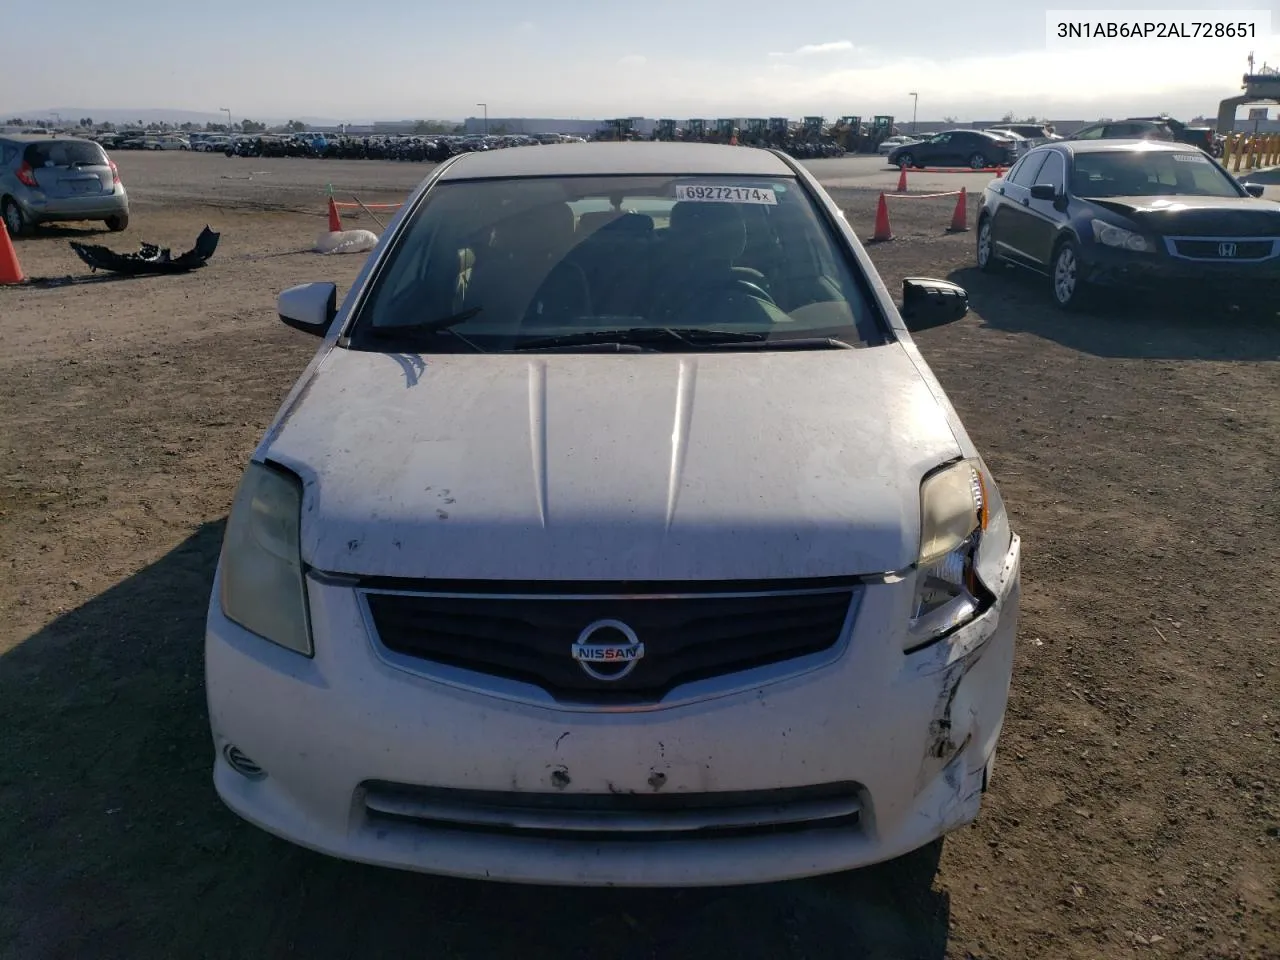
(708,193)
(1191,157)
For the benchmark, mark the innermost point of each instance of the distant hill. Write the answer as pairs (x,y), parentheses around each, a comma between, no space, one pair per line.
(157,115)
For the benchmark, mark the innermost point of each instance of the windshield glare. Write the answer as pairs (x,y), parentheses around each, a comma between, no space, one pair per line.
(1140,173)
(527,259)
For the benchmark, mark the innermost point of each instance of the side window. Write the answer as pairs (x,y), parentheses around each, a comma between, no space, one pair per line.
(1090,133)
(1053,172)
(941,138)
(1028,167)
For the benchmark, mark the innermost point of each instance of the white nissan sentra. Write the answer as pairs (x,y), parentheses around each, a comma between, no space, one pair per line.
(617,534)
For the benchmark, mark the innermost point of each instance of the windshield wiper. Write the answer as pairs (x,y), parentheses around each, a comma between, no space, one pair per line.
(688,336)
(402,331)
(398,330)
(798,343)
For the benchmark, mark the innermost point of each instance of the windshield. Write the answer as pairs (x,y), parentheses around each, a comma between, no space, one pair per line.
(498,264)
(1140,173)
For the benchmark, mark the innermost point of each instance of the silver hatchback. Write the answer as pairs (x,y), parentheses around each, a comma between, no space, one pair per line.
(45,179)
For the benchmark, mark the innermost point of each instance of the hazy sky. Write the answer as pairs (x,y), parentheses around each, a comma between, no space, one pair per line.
(592,58)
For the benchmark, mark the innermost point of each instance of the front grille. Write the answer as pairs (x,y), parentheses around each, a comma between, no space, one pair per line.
(1213,249)
(531,637)
(610,817)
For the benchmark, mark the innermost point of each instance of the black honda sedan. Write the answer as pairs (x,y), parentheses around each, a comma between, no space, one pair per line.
(975,149)
(1132,213)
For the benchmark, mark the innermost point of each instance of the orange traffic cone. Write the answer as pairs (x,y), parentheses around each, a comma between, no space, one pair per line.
(10,269)
(335,221)
(882,221)
(902,180)
(960,219)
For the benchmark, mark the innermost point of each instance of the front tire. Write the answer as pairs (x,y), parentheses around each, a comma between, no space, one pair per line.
(906,160)
(1068,287)
(14,219)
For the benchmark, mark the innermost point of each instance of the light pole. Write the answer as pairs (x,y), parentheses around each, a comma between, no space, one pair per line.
(486,117)
(915,103)
(227,111)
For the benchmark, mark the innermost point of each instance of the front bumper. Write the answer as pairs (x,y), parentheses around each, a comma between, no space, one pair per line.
(917,734)
(1109,267)
(38,207)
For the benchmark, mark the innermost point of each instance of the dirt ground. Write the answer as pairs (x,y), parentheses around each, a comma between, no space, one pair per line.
(1136,806)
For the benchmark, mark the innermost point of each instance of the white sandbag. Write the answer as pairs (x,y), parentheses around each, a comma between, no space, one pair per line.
(346,241)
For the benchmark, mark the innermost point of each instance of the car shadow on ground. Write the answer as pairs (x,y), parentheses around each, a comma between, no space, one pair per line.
(80,280)
(1121,326)
(49,231)
(115,844)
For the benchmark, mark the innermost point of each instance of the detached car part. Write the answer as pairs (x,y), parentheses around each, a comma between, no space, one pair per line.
(149,258)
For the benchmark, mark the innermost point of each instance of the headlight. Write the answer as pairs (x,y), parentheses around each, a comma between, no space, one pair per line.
(953,516)
(1110,235)
(262,583)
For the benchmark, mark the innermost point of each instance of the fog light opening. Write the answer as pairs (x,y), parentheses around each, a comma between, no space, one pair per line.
(241,764)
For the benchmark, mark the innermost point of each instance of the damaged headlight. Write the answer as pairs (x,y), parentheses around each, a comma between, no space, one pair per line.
(1110,235)
(262,578)
(954,512)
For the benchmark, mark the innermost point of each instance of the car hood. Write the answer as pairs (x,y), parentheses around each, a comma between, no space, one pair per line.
(1199,216)
(741,465)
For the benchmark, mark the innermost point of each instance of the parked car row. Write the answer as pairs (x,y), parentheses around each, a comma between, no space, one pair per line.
(381,146)
(147,142)
(961,147)
(1153,128)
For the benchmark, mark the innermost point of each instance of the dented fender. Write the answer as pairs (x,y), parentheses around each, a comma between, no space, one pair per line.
(973,667)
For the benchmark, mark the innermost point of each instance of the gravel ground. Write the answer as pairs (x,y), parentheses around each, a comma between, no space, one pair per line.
(1136,808)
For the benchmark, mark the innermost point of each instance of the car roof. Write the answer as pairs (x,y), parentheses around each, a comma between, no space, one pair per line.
(41,138)
(626,159)
(1119,145)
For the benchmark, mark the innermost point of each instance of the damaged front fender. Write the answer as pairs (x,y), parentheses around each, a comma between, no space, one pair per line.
(973,668)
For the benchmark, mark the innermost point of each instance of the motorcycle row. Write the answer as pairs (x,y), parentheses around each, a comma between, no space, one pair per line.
(415,149)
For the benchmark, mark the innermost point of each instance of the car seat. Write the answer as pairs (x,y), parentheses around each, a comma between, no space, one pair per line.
(522,276)
(703,243)
(616,259)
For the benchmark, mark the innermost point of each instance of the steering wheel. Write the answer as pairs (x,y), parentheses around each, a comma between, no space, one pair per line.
(728,287)
(727,292)
(751,290)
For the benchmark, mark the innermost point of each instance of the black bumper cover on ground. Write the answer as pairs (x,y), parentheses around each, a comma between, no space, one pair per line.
(149,258)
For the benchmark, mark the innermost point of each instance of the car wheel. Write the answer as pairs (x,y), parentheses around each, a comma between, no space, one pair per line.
(1066,283)
(14,221)
(117,223)
(906,160)
(987,260)
(977,162)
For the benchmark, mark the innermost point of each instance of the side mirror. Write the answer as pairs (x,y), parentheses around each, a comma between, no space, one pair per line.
(931,303)
(1044,191)
(310,307)
(1254,189)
